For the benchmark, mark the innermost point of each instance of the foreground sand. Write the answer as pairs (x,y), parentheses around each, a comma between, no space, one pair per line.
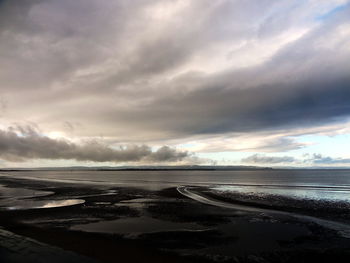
(15,248)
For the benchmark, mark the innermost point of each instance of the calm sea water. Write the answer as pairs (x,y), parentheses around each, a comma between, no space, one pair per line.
(312,184)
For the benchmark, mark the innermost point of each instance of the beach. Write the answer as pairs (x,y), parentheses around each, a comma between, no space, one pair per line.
(101,222)
(174,131)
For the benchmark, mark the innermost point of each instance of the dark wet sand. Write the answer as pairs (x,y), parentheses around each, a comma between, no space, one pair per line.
(189,231)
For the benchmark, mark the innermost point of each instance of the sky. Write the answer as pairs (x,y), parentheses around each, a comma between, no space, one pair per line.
(175,82)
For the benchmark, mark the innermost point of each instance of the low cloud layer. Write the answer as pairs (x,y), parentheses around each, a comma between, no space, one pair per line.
(23,143)
(327,160)
(313,160)
(263,159)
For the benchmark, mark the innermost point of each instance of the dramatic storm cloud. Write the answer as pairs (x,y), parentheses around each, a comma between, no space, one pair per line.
(21,143)
(209,77)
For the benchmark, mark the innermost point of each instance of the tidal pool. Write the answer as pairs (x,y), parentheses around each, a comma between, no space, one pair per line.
(135,226)
(17,193)
(37,204)
(12,198)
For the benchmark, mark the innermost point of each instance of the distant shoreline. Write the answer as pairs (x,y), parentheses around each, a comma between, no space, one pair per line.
(171,168)
(141,168)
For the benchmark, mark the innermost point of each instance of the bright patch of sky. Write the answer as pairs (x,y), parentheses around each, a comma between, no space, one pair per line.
(337,145)
(331,12)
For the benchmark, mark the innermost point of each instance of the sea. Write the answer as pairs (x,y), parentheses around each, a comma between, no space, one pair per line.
(320,184)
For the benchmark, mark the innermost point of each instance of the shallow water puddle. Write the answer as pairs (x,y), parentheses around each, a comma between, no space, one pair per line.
(21,198)
(10,192)
(139,200)
(136,226)
(34,204)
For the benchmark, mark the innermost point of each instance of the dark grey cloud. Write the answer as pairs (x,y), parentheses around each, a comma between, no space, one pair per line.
(302,85)
(219,110)
(263,159)
(148,70)
(25,142)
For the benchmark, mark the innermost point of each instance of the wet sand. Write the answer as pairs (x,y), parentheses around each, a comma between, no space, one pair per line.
(127,224)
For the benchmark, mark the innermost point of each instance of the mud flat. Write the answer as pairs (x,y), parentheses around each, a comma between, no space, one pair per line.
(131,224)
(15,248)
